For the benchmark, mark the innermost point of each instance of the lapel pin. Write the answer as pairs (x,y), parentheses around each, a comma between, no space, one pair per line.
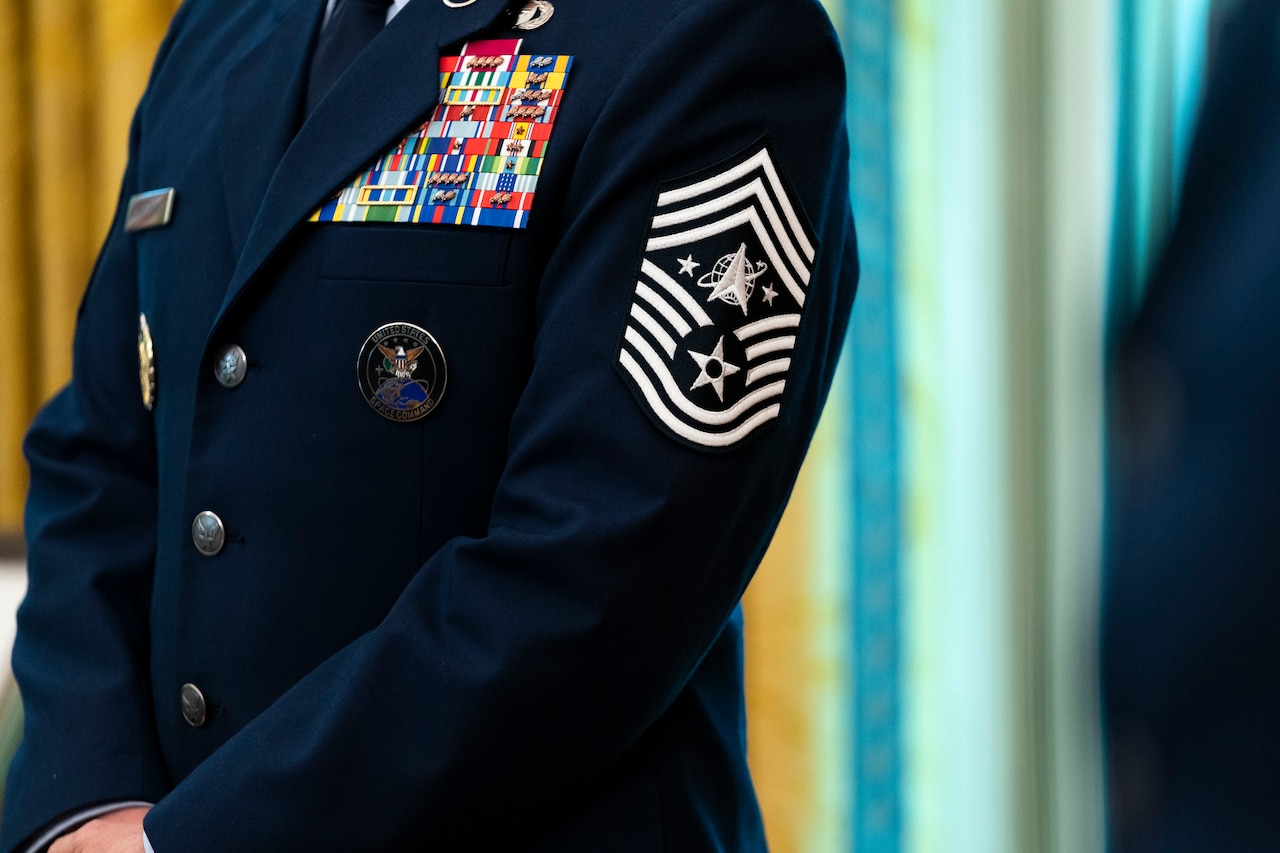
(534,14)
(149,210)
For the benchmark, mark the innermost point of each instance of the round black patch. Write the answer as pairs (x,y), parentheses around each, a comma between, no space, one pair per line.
(402,372)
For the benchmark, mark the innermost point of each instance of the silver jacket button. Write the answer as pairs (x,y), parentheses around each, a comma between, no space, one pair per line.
(194,709)
(208,533)
(231,366)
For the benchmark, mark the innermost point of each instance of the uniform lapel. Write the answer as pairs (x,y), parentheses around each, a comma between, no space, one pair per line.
(262,108)
(390,86)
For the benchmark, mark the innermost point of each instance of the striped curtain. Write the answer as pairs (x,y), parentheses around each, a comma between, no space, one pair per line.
(921,633)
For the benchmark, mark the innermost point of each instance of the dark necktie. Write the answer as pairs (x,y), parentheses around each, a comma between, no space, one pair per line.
(352,26)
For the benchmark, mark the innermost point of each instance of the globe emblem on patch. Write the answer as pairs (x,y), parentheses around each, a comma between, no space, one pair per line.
(402,372)
(733,279)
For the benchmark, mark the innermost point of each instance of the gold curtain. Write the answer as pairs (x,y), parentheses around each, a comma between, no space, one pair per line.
(70,74)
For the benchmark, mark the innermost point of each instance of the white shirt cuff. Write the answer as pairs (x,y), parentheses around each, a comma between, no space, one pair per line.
(74,820)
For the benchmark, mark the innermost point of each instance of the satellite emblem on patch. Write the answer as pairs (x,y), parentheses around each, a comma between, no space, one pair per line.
(718,301)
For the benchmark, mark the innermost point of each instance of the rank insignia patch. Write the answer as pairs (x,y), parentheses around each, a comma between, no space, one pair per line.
(476,161)
(718,301)
(402,372)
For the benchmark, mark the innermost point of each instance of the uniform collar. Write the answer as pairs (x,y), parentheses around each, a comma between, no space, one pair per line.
(392,10)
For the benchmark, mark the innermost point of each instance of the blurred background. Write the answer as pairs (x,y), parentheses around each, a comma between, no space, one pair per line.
(921,636)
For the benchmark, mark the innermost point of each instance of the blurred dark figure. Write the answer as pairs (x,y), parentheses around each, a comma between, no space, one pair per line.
(1191,626)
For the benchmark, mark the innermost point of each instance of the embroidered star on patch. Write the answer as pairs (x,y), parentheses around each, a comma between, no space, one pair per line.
(707,355)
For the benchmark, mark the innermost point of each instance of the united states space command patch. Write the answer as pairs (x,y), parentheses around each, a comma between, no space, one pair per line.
(402,372)
(476,161)
(718,301)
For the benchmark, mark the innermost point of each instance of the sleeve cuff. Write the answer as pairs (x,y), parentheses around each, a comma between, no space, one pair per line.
(75,819)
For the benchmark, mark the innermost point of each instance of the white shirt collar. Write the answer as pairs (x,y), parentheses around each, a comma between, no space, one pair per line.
(392,10)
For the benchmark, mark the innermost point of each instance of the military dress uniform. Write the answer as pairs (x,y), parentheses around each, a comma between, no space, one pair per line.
(420,446)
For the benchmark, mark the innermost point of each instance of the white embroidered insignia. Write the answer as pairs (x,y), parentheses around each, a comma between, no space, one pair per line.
(707,356)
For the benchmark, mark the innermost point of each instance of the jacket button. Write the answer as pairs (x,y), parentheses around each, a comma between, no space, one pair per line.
(208,533)
(231,366)
(194,709)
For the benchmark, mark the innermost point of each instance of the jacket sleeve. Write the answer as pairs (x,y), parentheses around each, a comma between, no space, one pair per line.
(80,656)
(517,667)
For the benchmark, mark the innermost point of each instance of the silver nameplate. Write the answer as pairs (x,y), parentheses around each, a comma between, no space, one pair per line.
(149,210)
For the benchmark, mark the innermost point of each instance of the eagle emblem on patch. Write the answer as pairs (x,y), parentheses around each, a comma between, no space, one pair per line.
(718,301)
(402,372)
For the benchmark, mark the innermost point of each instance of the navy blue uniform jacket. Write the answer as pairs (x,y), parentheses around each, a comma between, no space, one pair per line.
(510,625)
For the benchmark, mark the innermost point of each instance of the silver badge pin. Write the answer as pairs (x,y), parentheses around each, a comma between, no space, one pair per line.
(534,14)
(149,210)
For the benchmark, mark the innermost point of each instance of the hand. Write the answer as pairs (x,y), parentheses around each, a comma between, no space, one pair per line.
(117,832)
